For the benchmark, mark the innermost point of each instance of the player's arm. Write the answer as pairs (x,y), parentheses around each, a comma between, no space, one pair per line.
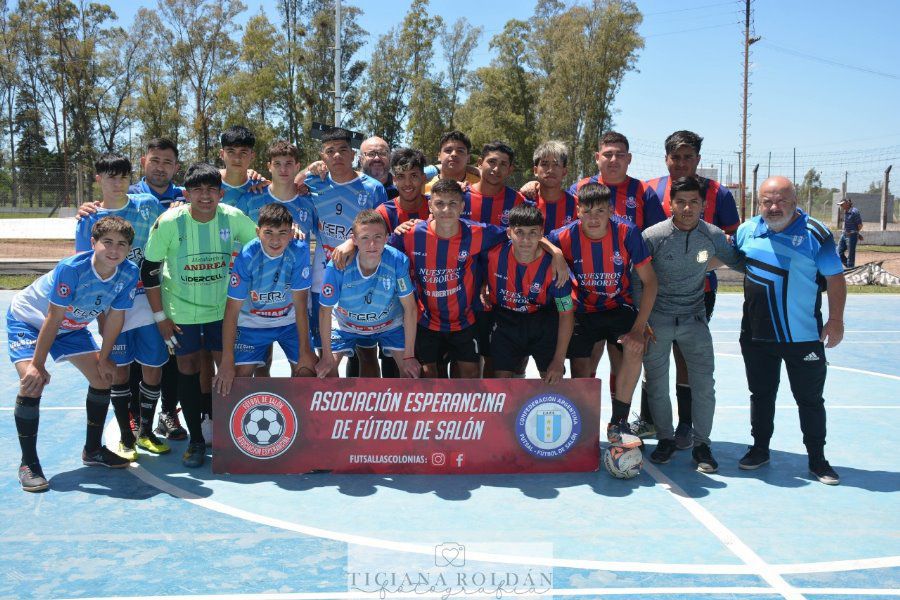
(411,366)
(727,254)
(650,285)
(833,331)
(225,373)
(343,254)
(326,361)
(530,189)
(557,368)
(150,278)
(306,365)
(112,327)
(36,375)
(560,267)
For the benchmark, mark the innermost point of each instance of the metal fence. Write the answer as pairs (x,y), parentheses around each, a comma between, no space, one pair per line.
(40,190)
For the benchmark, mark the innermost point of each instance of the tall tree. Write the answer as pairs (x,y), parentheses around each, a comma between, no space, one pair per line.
(202,33)
(457,42)
(118,71)
(426,90)
(384,94)
(9,87)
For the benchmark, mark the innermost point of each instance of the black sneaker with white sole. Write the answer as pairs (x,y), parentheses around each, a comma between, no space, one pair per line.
(32,479)
(170,427)
(754,459)
(663,452)
(824,473)
(703,457)
(103,457)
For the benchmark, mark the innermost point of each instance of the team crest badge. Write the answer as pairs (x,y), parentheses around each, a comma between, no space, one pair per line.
(305,273)
(535,287)
(235,280)
(568,219)
(504,218)
(362,198)
(618,260)
(386,283)
(118,288)
(463,255)
(263,425)
(145,212)
(225,234)
(631,202)
(63,290)
(703,256)
(303,216)
(797,240)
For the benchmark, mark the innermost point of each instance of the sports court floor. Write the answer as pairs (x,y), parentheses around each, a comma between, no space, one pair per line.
(156,531)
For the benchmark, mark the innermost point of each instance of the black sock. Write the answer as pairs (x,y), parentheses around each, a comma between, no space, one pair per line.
(619,411)
(120,395)
(169,400)
(206,404)
(26,414)
(97,405)
(189,396)
(135,377)
(149,397)
(646,415)
(683,394)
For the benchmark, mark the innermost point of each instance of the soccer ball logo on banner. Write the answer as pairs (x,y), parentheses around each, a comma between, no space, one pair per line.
(263,425)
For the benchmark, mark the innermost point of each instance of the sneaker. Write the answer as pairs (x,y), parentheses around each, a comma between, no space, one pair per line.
(824,473)
(684,436)
(664,451)
(126,451)
(194,456)
(32,478)
(754,459)
(206,428)
(103,457)
(704,459)
(170,427)
(619,434)
(153,444)
(642,428)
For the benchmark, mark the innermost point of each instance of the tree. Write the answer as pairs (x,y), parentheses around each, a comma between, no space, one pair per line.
(416,42)
(457,42)
(9,87)
(118,71)
(384,94)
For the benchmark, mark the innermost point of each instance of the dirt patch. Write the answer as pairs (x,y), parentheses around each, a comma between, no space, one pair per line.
(36,249)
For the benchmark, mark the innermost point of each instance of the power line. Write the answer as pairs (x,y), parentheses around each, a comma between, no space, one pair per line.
(680,10)
(828,61)
(692,29)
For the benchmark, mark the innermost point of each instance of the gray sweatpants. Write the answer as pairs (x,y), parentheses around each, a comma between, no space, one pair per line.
(695,342)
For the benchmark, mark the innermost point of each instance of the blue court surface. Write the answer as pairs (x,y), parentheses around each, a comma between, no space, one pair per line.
(158,531)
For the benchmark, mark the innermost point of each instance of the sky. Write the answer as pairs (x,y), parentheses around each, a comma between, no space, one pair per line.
(824,79)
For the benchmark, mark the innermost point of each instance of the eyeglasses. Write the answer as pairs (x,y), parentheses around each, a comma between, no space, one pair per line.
(770,203)
(375,154)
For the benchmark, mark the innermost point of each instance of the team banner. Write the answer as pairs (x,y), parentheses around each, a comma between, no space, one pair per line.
(426,426)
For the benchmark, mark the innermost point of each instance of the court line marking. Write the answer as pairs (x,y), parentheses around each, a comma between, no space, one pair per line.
(597,592)
(111,435)
(728,538)
(830,366)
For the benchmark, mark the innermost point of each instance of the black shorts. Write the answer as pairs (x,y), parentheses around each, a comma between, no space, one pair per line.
(484,327)
(458,345)
(520,335)
(606,325)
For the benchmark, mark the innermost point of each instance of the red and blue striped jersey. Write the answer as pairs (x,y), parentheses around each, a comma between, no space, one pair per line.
(559,213)
(633,200)
(523,287)
(446,271)
(490,209)
(720,209)
(393,214)
(602,268)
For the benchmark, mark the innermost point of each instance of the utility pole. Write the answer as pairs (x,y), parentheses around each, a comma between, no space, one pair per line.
(794,180)
(748,41)
(753,191)
(337,63)
(884,197)
(769,166)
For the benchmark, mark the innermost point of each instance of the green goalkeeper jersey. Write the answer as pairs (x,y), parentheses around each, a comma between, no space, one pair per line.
(196,259)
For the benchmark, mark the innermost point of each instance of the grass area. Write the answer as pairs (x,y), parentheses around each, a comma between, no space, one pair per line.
(16,282)
(851,289)
(6,215)
(891,249)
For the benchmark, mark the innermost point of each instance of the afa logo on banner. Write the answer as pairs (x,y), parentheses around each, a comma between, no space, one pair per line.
(548,426)
(263,425)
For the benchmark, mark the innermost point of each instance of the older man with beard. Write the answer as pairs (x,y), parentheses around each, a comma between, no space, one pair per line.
(789,255)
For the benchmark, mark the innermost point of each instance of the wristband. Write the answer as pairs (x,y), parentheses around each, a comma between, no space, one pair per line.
(160,316)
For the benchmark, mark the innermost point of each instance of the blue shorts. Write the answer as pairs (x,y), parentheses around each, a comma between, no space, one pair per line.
(315,339)
(345,342)
(22,340)
(251,346)
(142,344)
(193,338)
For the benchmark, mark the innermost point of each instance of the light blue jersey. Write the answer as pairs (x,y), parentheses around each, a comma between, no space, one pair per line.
(368,304)
(75,285)
(234,193)
(300,207)
(141,211)
(266,284)
(335,205)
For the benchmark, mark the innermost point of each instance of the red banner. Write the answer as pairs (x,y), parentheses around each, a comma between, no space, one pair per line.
(436,426)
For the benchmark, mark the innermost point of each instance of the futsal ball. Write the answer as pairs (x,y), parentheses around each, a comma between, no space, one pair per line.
(623,463)
(263,425)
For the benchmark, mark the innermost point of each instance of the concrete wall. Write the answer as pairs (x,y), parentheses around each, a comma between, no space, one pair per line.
(869,206)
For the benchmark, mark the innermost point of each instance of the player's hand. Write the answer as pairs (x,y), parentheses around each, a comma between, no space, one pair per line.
(560,270)
(260,183)
(343,254)
(649,337)
(107,370)
(298,235)
(177,203)
(411,367)
(555,371)
(530,190)
(306,366)
(34,380)
(325,365)
(633,341)
(485,295)
(87,209)
(406,226)
(832,333)
(300,185)
(168,331)
(224,378)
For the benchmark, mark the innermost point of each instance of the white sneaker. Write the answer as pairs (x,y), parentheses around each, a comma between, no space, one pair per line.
(206,428)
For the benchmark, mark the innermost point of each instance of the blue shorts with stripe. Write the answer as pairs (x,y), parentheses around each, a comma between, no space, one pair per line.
(251,346)
(22,340)
(142,344)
